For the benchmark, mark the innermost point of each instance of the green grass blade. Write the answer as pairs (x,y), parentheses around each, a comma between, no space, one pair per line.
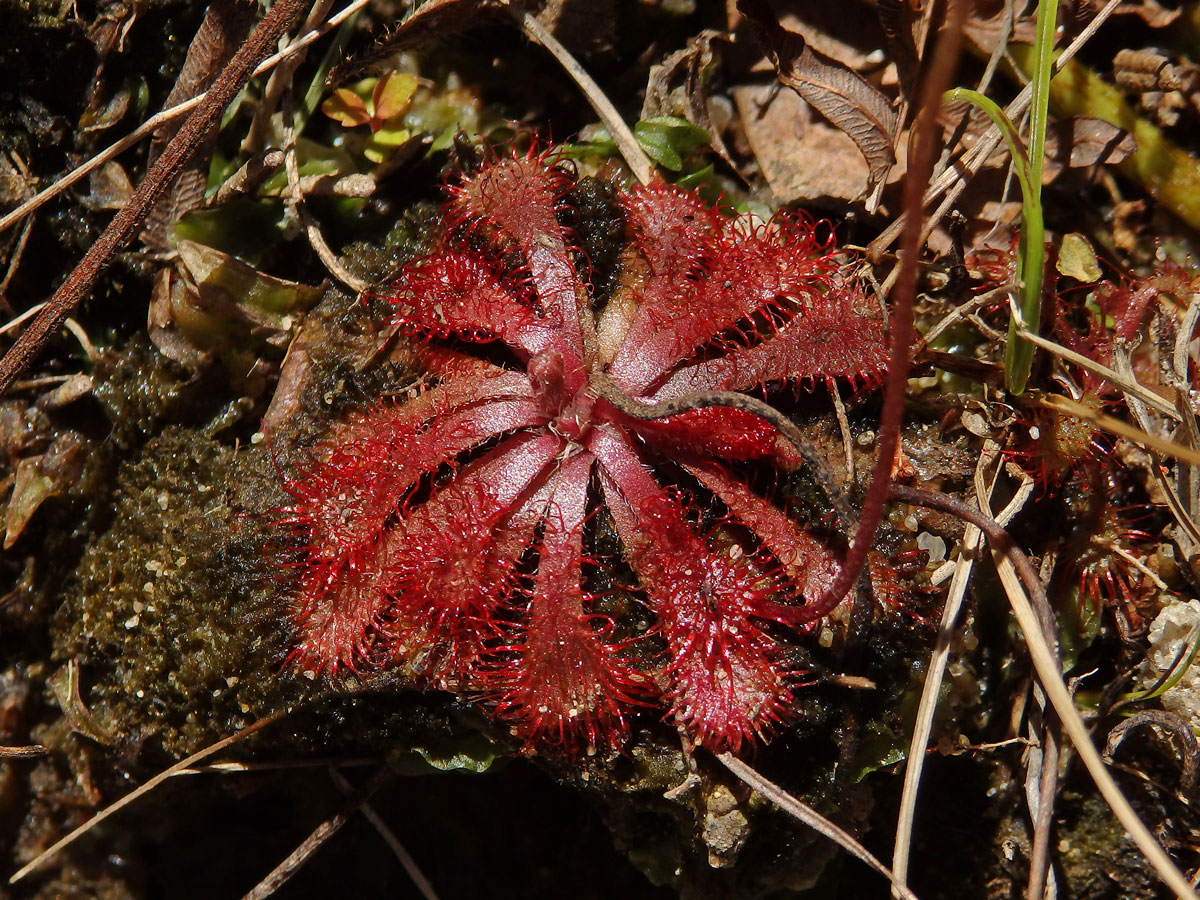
(1018,357)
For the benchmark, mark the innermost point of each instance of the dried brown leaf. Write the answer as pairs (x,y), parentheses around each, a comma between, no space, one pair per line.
(222,31)
(65,685)
(839,93)
(1151,12)
(1082,141)
(224,309)
(68,392)
(897,18)
(110,187)
(803,159)
(104,116)
(38,478)
(678,86)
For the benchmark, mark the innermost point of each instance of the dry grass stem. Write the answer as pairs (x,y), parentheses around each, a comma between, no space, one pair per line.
(15,323)
(1060,699)
(279,83)
(14,260)
(627,145)
(1024,591)
(312,230)
(1127,385)
(839,407)
(81,336)
(810,817)
(38,861)
(1112,547)
(162,173)
(410,865)
(1183,514)
(28,752)
(940,658)
(161,118)
(1120,428)
(280,875)
(965,309)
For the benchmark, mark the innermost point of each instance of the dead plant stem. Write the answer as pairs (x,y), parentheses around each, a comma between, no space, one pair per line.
(161,118)
(126,222)
(1025,591)
(937,79)
(38,861)
(810,817)
(322,833)
(954,180)
(626,143)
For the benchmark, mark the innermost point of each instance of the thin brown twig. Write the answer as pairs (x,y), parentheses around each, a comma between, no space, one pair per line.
(38,861)
(937,79)
(312,230)
(422,883)
(126,222)
(278,84)
(161,118)
(322,833)
(14,260)
(30,751)
(965,309)
(810,817)
(839,408)
(627,145)
(1047,752)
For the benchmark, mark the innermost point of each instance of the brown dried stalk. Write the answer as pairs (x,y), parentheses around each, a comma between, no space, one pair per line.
(126,223)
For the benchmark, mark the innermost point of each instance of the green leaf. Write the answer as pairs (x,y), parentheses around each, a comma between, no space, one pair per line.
(1079,619)
(266,300)
(392,95)
(383,142)
(1077,259)
(471,753)
(346,108)
(668,139)
(702,180)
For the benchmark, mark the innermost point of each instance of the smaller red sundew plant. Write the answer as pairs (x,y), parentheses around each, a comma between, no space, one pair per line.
(451,534)
(1104,563)
(1108,561)
(1048,444)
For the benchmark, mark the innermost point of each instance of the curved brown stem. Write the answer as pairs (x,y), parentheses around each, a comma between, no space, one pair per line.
(1050,743)
(83,277)
(996,535)
(602,387)
(920,167)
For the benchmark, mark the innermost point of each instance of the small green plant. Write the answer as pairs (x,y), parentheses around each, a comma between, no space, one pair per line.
(668,140)
(1031,255)
(379,103)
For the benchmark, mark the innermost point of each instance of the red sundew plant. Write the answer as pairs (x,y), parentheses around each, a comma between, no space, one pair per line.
(1054,444)
(450,533)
